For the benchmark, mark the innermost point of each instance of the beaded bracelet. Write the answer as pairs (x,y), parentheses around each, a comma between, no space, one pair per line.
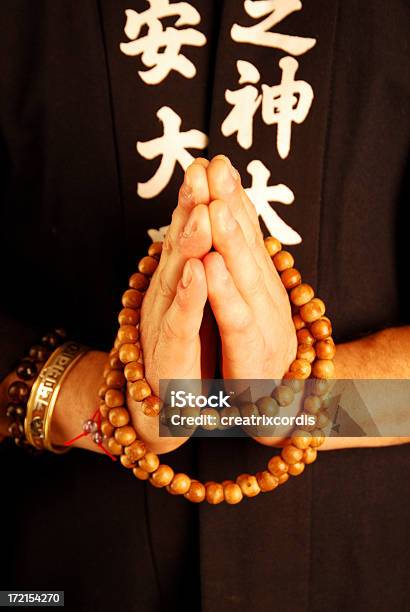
(44,394)
(125,369)
(26,372)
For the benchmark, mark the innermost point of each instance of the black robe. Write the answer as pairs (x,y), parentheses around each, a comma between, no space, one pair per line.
(72,108)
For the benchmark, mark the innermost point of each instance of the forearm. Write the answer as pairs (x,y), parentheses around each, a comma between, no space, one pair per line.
(77,400)
(385,354)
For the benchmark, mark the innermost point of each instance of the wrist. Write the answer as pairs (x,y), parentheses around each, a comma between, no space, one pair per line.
(77,400)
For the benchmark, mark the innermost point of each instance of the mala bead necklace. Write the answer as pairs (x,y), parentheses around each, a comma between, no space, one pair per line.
(125,370)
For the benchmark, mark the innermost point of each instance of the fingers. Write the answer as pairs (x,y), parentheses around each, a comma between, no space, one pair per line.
(195,240)
(179,332)
(189,235)
(223,291)
(193,191)
(235,322)
(229,241)
(225,184)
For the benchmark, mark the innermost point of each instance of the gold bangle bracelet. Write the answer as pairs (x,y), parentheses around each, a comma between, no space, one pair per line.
(44,393)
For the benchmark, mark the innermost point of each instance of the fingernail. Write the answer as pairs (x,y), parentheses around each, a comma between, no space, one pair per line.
(229,177)
(228,221)
(189,228)
(235,174)
(186,275)
(185,194)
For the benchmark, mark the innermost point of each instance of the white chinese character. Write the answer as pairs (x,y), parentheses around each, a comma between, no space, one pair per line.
(160,49)
(158,235)
(172,148)
(245,102)
(283,104)
(259,34)
(260,193)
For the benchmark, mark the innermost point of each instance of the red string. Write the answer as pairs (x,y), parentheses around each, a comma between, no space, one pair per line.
(97,414)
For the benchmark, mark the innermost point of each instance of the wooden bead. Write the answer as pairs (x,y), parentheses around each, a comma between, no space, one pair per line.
(104,410)
(196,493)
(114,360)
(132,298)
(323,368)
(155,249)
(294,383)
(115,379)
(114,398)
(312,404)
(306,416)
(18,391)
(249,409)
(114,447)
(301,439)
(284,478)
(291,454)
(325,349)
(26,369)
(128,333)
(126,462)
(149,462)
(302,294)
(211,415)
(139,390)
(106,428)
(321,329)
(298,322)
(277,466)
(134,371)
(301,367)
(135,451)
(38,353)
(118,417)
(232,493)
(306,351)
(180,484)
(313,310)
(267,406)
(140,474)
(249,485)
(317,439)
(125,435)
(284,395)
(162,476)
(296,469)
(139,282)
(319,387)
(214,493)
(309,455)
(151,406)
(305,337)
(129,352)
(117,344)
(148,265)
(291,278)
(102,391)
(283,261)
(129,316)
(267,481)
(272,245)
(322,419)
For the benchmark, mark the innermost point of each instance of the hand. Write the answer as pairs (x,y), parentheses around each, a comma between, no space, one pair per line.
(247,297)
(172,314)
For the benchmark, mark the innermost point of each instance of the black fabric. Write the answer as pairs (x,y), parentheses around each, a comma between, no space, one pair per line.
(72,108)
